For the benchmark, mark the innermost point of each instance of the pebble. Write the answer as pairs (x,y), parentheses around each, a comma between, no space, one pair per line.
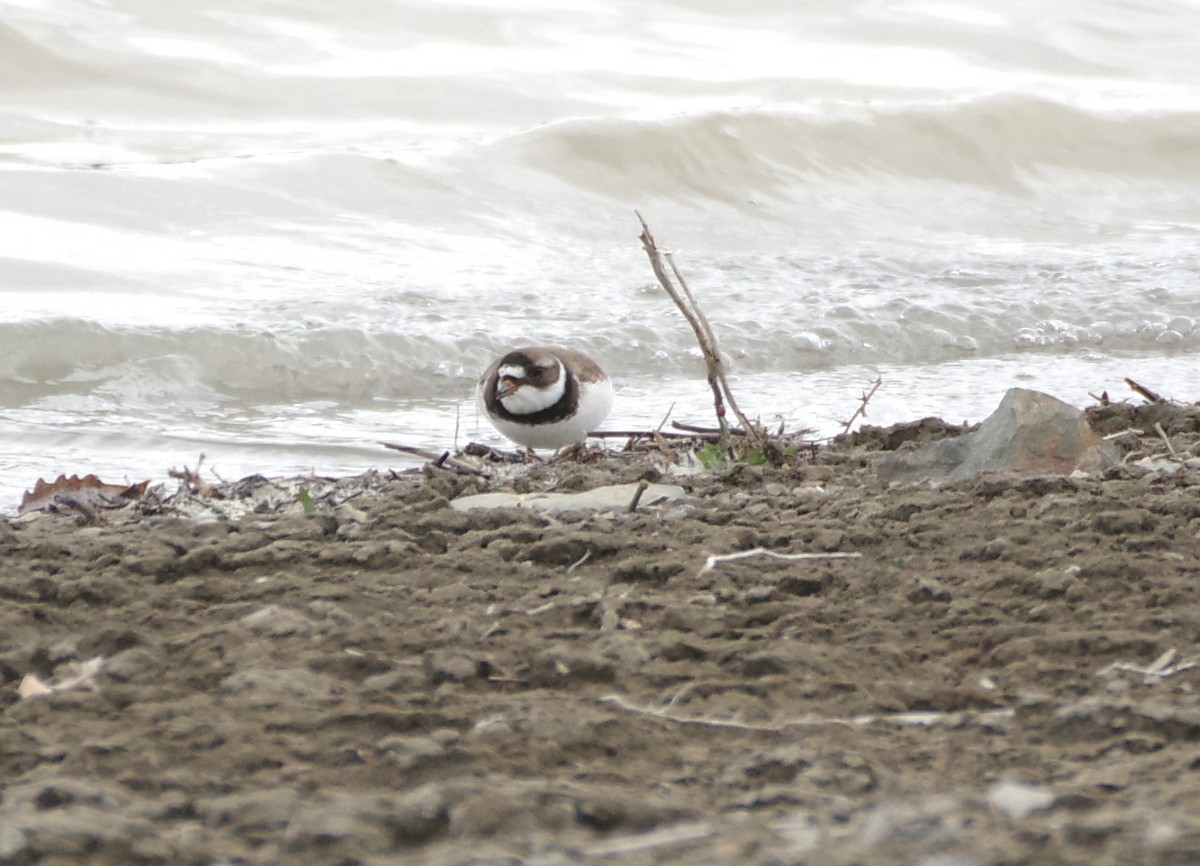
(1018,800)
(276,621)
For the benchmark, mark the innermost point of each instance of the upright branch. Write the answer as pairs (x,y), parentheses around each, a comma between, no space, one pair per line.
(687,305)
(862,407)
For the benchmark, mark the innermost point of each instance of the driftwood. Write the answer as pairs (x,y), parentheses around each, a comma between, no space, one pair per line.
(682,296)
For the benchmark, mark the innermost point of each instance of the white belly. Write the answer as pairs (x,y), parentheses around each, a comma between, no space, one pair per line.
(595,402)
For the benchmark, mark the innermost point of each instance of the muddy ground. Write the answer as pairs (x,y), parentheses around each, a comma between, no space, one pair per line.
(398,681)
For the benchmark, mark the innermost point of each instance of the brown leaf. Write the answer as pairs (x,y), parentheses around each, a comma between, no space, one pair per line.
(89,490)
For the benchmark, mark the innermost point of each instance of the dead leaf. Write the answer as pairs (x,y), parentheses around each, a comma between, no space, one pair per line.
(89,491)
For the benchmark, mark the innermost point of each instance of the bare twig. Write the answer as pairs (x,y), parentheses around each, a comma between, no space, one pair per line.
(914,719)
(713,561)
(652,840)
(1158,428)
(441,461)
(1144,391)
(637,496)
(630,707)
(700,327)
(696,428)
(656,264)
(587,554)
(650,434)
(1128,431)
(712,344)
(191,478)
(1166,665)
(862,407)
(663,422)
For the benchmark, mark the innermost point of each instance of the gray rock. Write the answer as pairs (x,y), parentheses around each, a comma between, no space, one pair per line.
(1030,433)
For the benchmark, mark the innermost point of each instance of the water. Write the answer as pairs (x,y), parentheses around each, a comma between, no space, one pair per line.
(278,233)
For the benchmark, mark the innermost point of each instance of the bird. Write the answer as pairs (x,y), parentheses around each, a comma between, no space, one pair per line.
(545,396)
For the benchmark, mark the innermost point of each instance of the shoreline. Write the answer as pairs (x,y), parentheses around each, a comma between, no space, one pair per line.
(1005,672)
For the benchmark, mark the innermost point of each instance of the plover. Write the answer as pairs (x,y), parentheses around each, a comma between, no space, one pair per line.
(545,397)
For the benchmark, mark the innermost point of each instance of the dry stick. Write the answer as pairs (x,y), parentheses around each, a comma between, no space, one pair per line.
(666,715)
(716,353)
(862,407)
(587,554)
(700,327)
(1158,428)
(656,265)
(652,840)
(1144,391)
(919,719)
(713,561)
(1166,665)
(663,422)
(441,461)
(649,434)
(695,428)
(195,483)
(659,441)
(637,496)
(1128,431)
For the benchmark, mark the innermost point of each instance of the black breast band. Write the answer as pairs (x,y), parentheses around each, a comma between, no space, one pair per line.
(563,408)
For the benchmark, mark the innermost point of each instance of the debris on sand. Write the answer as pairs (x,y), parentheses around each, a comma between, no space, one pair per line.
(1030,433)
(782,663)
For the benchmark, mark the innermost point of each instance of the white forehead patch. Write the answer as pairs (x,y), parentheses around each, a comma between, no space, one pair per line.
(510,371)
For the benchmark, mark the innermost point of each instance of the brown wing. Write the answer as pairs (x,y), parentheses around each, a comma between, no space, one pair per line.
(585,369)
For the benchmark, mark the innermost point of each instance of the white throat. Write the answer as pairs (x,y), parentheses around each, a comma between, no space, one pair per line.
(527,400)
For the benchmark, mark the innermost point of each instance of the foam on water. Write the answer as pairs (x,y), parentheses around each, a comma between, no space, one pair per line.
(277,236)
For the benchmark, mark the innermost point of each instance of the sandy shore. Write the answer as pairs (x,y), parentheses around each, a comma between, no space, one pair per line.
(397,678)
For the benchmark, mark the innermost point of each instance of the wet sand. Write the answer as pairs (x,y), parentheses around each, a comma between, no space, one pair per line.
(399,680)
